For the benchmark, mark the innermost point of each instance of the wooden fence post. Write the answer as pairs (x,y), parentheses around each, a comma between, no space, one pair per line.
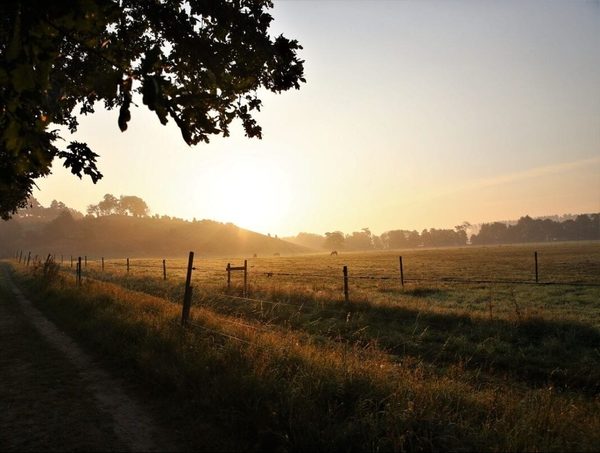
(187,296)
(164,269)
(71,260)
(79,271)
(28,258)
(228,269)
(20,256)
(346,296)
(536,266)
(85,261)
(128,265)
(245,278)
(61,258)
(401,273)
(102,264)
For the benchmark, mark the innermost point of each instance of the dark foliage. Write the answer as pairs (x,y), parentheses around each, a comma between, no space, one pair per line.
(583,227)
(198,63)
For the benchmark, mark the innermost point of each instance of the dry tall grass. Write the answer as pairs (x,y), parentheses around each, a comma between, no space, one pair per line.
(315,382)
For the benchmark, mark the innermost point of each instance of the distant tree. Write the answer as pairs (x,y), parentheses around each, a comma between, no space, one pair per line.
(463,229)
(311,240)
(200,63)
(359,240)
(460,237)
(585,227)
(527,229)
(133,205)
(377,242)
(413,239)
(93,210)
(396,239)
(108,205)
(426,238)
(61,226)
(491,233)
(334,240)
(33,208)
(57,205)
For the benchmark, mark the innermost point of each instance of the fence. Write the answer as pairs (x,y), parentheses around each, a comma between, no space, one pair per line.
(344,277)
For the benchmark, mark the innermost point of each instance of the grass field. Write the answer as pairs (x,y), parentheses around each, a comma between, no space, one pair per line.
(571,262)
(433,365)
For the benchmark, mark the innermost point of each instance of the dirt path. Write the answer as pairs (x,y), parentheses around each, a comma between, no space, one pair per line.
(132,425)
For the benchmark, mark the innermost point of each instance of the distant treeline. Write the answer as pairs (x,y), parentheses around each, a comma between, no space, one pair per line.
(583,227)
(121,227)
(365,240)
(117,227)
(526,229)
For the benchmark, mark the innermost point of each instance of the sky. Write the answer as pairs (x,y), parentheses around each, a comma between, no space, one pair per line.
(415,114)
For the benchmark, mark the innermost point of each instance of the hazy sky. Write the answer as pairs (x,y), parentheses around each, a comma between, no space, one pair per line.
(416,114)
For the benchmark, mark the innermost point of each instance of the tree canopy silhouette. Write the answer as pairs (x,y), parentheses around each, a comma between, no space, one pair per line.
(197,62)
(124,205)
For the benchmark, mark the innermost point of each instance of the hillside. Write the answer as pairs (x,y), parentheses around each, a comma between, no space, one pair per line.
(121,235)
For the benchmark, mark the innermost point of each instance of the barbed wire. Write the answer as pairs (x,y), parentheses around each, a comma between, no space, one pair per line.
(343,311)
(194,324)
(442,279)
(251,299)
(501,282)
(223,334)
(288,274)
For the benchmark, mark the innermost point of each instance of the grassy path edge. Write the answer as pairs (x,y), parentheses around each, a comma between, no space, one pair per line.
(132,424)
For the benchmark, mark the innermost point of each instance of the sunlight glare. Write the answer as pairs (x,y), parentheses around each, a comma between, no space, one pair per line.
(250,191)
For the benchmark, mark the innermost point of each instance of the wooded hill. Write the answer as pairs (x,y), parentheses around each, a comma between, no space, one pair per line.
(121,227)
(119,236)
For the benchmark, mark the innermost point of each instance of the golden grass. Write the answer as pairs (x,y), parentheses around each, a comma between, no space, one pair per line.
(309,382)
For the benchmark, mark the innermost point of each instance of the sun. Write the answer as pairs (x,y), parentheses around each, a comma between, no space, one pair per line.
(251,192)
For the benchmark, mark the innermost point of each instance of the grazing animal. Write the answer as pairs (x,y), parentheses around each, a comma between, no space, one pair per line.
(334,253)
(269,274)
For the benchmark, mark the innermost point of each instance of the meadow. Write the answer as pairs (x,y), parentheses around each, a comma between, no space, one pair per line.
(443,362)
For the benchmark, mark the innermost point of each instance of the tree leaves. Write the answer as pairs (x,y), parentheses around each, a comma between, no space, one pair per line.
(80,159)
(23,78)
(150,92)
(199,62)
(124,112)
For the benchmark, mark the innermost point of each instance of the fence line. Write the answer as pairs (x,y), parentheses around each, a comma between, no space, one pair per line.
(297,307)
(186,320)
(501,282)
(401,278)
(290,274)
